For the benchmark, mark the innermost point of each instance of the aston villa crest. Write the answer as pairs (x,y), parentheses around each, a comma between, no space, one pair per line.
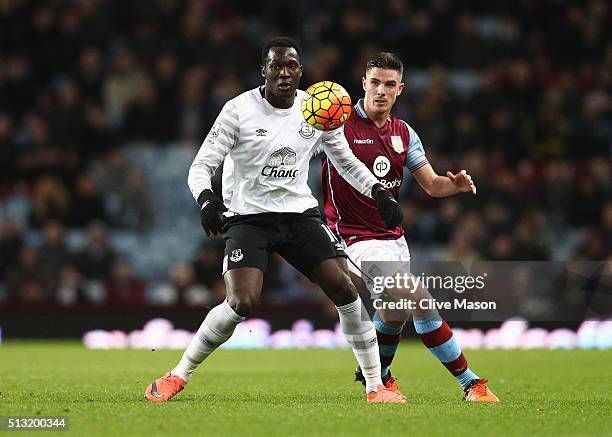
(397,143)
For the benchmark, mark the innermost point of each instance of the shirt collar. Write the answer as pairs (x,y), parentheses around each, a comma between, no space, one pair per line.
(360,109)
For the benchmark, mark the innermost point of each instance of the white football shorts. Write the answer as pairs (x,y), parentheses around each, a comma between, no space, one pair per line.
(377,250)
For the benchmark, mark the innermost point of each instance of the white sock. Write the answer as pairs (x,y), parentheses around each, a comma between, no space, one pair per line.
(359,332)
(216,329)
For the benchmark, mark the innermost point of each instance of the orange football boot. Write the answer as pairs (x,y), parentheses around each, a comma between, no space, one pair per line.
(479,392)
(385,396)
(391,384)
(165,388)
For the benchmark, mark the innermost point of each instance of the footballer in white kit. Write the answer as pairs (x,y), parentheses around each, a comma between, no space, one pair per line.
(269,208)
(270,149)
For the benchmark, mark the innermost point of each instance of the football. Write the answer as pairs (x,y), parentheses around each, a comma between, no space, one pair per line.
(326,105)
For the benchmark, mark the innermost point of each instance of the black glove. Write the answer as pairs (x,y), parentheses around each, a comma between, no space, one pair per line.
(211,208)
(388,208)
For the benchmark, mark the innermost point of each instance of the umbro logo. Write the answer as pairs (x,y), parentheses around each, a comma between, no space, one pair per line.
(366,141)
(261,132)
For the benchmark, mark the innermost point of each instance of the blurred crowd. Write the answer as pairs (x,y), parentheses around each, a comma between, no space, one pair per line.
(518,93)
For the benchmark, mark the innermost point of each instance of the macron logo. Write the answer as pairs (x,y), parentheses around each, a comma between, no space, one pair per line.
(366,141)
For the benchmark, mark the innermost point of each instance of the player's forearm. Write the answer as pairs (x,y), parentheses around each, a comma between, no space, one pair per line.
(352,170)
(199,179)
(206,162)
(442,186)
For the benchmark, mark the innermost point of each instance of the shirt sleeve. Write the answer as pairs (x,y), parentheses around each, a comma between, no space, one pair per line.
(355,172)
(220,140)
(415,158)
(318,151)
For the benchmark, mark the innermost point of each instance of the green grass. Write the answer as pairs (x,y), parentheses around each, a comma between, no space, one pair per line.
(309,392)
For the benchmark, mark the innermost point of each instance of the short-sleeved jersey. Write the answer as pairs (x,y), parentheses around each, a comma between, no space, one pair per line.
(385,151)
(268,152)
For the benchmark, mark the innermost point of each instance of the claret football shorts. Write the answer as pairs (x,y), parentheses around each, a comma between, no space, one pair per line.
(302,239)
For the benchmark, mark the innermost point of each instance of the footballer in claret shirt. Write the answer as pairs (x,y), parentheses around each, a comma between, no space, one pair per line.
(387,145)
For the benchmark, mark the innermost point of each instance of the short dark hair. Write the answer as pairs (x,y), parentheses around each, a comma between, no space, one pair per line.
(386,60)
(281,41)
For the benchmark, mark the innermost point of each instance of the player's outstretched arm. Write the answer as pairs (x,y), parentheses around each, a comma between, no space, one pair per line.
(357,174)
(444,186)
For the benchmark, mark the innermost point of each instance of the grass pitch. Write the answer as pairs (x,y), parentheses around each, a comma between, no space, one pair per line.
(306,392)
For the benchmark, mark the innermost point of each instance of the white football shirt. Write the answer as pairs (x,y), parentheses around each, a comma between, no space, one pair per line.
(270,149)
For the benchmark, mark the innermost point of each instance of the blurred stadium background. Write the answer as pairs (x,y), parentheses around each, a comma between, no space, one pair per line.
(103,105)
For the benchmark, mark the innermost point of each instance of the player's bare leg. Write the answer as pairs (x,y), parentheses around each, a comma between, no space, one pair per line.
(438,337)
(243,293)
(333,277)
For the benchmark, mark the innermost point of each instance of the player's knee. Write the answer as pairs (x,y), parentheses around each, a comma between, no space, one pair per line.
(343,292)
(242,305)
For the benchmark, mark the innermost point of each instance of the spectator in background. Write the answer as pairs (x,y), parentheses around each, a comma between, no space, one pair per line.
(70,289)
(208,263)
(111,175)
(587,200)
(11,243)
(88,202)
(601,171)
(146,119)
(123,288)
(192,107)
(90,74)
(8,150)
(127,199)
(530,235)
(606,223)
(123,84)
(40,156)
(449,214)
(100,136)
(53,254)
(25,283)
(461,249)
(136,208)
(96,260)
(502,248)
(467,50)
(50,201)
(68,118)
(167,80)
(593,247)
(183,289)
(412,230)
(68,33)
(556,189)
(498,219)
(594,128)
